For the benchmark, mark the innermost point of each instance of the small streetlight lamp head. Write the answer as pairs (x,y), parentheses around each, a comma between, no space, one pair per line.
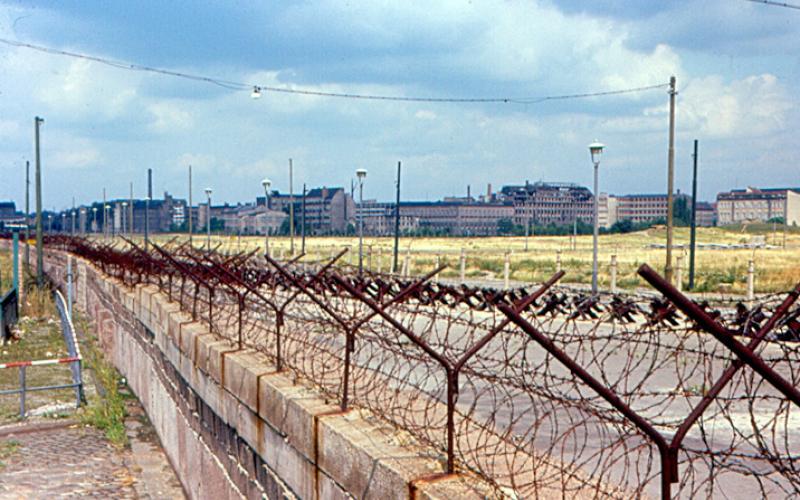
(361,173)
(266,183)
(256,94)
(124,203)
(596,150)
(208,192)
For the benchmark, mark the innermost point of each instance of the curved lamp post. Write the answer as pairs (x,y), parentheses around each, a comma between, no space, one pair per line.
(208,219)
(361,174)
(266,183)
(596,150)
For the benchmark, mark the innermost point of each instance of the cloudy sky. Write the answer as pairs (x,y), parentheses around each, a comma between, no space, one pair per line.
(737,65)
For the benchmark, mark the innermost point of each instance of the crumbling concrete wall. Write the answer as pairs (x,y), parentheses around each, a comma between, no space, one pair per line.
(233,426)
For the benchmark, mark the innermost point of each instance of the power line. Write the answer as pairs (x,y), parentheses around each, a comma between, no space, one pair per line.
(239,86)
(776,4)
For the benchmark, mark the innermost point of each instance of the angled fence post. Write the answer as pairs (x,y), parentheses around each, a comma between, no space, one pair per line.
(613,274)
(506,271)
(462,265)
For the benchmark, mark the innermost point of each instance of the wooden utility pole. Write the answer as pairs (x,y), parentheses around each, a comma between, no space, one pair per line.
(670,178)
(130,213)
(303,223)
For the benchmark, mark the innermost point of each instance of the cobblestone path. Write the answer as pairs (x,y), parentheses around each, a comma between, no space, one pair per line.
(63,461)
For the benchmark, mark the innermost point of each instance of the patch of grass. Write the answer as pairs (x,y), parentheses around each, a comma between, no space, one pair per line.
(7,448)
(107,410)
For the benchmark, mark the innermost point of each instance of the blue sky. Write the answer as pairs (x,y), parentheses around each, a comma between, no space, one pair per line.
(737,64)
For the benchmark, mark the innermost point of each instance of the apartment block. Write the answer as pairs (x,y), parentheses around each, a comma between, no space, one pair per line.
(758,205)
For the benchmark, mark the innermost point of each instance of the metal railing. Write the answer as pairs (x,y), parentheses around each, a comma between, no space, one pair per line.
(73,359)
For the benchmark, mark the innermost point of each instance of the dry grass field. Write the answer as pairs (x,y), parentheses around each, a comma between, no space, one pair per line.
(777,267)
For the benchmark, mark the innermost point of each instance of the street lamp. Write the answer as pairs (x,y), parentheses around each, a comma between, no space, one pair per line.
(596,150)
(361,174)
(83,221)
(64,222)
(73,222)
(50,223)
(94,220)
(124,216)
(208,220)
(266,183)
(106,211)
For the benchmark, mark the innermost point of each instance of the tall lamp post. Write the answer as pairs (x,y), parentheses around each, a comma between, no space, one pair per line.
(596,150)
(266,183)
(94,220)
(208,220)
(124,217)
(361,174)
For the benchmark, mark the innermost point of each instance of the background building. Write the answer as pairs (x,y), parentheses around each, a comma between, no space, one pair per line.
(758,205)
(544,203)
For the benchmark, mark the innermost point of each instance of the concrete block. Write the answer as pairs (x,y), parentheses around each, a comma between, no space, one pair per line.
(294,469)
(215,363)
(241,372)
(328,489)
(188,333)
(364,462)
(291,409)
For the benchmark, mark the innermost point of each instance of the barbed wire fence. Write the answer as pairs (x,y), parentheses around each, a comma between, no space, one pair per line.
(537,391)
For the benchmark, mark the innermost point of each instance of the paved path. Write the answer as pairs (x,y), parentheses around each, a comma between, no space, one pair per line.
(64,461)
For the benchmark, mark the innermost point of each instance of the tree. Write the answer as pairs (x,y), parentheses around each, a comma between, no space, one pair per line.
(682,211)
(505,226)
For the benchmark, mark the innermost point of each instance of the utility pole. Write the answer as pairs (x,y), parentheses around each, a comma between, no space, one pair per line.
(27,214)
(39,239)
(190,205)
(130,213)
(670,178)
(105,215)
(147,208)
(291,211)
(303,223)
(72,231)
(692,234)
(396,222)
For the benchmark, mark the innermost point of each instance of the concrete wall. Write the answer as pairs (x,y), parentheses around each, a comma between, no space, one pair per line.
(234,427)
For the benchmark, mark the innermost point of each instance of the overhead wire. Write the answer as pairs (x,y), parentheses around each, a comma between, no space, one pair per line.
(240,86)
(776,4)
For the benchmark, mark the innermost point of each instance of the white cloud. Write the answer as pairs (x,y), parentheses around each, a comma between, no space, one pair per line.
(79,156)
(198,161)
(424,114)
(756,105)
(169,117)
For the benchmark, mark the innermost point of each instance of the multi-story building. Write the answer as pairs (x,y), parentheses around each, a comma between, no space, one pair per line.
(8,213)
(549,203)
(379,218)
(480,219)
(607,210)
(754,204)
(327,210)
(706,214)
